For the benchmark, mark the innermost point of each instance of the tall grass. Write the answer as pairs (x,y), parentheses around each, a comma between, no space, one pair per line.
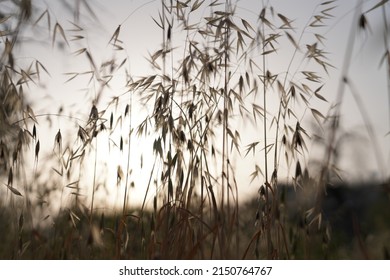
(215,75)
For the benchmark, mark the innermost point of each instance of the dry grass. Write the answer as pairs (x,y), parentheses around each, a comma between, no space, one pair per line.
(214,77)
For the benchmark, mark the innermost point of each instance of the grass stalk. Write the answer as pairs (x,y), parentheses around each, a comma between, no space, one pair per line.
(324,174)
(91,214)
(387,55)
(125,198)
(265,130)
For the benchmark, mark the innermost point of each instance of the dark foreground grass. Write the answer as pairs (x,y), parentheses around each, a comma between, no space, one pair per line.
(357,227)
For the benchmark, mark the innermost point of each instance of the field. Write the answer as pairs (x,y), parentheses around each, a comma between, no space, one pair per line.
(229,141)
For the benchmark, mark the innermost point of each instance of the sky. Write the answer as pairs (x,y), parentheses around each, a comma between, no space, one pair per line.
(141,36)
